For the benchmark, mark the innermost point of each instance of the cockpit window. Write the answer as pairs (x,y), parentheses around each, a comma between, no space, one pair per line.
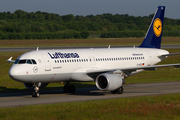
(33,61)
(17,60)
(22,61)
(29,62)
(25,61)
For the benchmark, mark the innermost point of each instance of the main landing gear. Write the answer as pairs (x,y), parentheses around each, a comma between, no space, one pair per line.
(69,88)
(118,91)
(36,90)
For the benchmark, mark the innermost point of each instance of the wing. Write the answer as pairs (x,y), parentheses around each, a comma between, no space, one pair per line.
(10,60)
(95,72)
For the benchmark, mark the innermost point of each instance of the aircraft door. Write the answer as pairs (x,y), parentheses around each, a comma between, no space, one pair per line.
(149,58)
(47,62)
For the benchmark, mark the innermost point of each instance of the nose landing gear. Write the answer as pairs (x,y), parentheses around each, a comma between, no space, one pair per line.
(67,89)
(36,90)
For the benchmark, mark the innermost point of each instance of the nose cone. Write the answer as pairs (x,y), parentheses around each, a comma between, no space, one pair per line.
(14,72)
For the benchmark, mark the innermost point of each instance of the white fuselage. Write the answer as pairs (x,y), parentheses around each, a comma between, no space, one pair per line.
(73,64)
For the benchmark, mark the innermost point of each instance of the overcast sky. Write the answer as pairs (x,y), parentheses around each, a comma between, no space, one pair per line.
(87,7)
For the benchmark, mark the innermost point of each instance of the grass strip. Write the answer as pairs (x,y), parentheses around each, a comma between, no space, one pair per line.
(83,42)
(166,106)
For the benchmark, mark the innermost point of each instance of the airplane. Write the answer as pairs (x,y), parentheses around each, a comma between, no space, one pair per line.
(107,67)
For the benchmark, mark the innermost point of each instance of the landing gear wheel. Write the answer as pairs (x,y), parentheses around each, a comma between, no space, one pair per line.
(36,94)
(69,88)
(36,90)
(120,90)
(72,89)
(113,92)
(65,89)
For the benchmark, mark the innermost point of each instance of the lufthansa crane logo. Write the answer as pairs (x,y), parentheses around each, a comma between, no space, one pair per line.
(35,69)
(157,27)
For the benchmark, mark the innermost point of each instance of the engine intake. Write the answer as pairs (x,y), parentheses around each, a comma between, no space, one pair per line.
(108,81)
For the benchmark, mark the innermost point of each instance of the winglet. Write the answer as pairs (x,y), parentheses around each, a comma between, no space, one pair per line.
(154,33)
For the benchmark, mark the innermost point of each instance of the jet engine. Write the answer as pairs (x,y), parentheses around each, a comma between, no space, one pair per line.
(31,85)
(108,81)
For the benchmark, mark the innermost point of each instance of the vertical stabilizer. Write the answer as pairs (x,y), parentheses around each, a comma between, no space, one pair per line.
(154,33)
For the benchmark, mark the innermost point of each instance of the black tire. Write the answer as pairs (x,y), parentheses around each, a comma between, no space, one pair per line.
(113,92)
(72,89)
(35,94)
(65,89)
(120,90)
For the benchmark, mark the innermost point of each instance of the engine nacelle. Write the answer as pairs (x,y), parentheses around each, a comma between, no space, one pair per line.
(30,85)
(108,81)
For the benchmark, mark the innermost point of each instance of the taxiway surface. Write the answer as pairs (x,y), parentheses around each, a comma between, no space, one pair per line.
(85,94)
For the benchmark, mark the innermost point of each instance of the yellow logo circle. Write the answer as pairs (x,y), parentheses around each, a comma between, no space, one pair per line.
(157,27)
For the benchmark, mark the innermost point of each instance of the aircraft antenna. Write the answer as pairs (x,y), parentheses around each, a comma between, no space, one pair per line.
(37,49)
(109,46)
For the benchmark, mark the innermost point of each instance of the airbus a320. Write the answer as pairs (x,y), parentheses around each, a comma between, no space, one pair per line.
(107,67)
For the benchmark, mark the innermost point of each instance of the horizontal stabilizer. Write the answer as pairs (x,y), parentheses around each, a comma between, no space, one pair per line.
(170,54)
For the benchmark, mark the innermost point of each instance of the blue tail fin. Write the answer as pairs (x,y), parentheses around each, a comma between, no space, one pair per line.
(154,33)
